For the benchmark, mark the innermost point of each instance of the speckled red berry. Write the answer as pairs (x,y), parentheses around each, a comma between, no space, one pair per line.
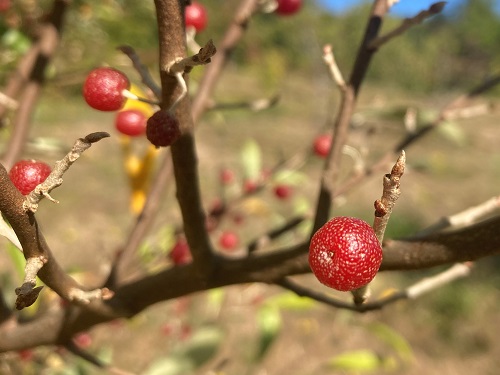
(322,144)
(345,254)
(103,89)
(27,174)
(162,129)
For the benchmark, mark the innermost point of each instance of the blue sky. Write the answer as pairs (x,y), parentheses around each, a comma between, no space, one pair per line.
(405,8)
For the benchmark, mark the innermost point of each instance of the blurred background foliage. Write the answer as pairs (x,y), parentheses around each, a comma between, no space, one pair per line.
(451,52)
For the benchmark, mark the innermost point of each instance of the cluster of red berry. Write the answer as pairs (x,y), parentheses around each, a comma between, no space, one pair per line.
(106,89)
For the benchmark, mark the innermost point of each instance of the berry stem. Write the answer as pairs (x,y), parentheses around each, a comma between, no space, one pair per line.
(129,95)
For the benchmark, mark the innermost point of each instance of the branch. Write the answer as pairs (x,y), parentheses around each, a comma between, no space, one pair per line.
(143,71)
(30,75)
(36,251)
(448,111)
(391,193)
(184,158)
(434,9)
(233,35)
(413,292)
(348,102)
(55,178)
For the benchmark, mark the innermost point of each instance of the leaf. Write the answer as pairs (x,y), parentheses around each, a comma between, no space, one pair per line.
(393,339)
(358,360)
(291,177)
(251,158)
(453,133)
(7,232)
(291,301)
(203,345)
(170,366)
(269,323)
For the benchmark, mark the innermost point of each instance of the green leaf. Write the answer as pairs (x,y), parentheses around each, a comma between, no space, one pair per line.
(17,259)
(203,345)
(358,360)
(291,301)
(251,158)
(175,365)
(453,133)
(393,339)
(269,323)
(291,177)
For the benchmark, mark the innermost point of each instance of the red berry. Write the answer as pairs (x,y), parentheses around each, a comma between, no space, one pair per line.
(180,253)
(345,254)
(195,16)
(162,129)
(83,340)
(288,7)
(283,191)
(103,89)
(26,354)
(228,240)
(5,5)
(27,174)
(322,145)
(226,176)
(249,186)
(131,122)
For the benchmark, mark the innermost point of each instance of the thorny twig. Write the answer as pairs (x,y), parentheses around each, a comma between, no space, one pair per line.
(55,178)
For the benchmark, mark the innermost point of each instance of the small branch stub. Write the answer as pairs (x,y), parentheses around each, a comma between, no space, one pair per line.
(390,194)
(86,297)
(28,293)
(184,65)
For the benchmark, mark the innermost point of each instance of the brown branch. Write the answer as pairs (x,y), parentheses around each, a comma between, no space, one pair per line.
(172,49)
(121,268)
(407,23)
(233,35)
(347,105)
(31,76)
(409,139)
(412,292)
(275,233)
(143,71)
(40,260)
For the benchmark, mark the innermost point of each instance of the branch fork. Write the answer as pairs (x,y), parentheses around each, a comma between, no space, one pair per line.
(184,65)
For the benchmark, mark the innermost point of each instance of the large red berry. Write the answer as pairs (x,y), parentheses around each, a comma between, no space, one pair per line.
(162,129)
(27,174)
(345,254)
(131,122)
(103,89)
(288,7)
(322,144)
(180,253)
(195,16)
